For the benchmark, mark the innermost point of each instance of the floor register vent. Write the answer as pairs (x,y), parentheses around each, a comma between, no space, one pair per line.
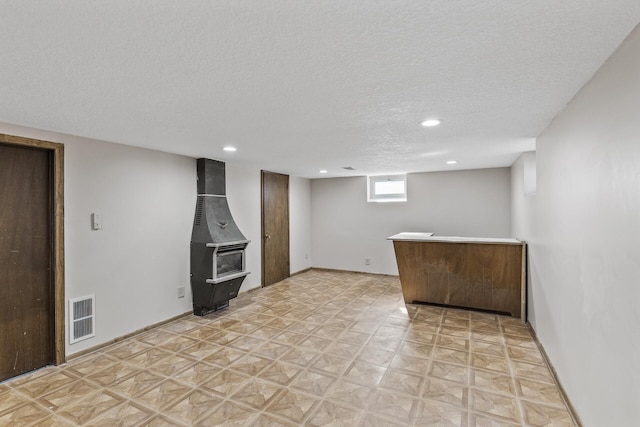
(82,318)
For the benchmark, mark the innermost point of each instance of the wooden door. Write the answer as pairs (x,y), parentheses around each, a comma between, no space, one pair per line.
(26,294)
(275,227)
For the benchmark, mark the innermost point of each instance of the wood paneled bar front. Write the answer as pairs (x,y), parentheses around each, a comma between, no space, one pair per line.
(469,272)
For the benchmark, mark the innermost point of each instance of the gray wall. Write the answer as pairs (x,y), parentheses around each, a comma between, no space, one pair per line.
(345,229)
(583,228)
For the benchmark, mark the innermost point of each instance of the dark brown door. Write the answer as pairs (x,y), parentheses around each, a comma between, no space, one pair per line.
(25,260)
(275,227)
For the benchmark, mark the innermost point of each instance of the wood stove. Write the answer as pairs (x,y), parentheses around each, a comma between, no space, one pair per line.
(218,248)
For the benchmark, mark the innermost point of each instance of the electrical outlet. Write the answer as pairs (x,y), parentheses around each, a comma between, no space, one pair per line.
(180,291)
(367,261)
(306,256)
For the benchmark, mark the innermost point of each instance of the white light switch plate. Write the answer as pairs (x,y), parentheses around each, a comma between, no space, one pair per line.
(96,221)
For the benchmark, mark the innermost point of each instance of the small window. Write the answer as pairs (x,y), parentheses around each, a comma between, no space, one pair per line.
(387,188)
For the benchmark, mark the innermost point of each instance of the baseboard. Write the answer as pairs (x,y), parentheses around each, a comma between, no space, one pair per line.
(336,270)
(249,290)
(300,272)
(124,337)
(563,393)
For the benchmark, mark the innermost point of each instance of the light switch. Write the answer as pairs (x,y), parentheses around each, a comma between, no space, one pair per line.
(96,221)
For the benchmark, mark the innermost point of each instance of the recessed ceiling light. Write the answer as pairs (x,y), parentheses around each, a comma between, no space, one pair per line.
(323,171)
(430,123)
(229,148)
(452,162)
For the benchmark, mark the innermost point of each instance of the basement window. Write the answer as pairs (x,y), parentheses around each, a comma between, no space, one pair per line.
(387,188)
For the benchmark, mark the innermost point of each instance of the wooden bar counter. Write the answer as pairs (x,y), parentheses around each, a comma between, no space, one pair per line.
(471,272)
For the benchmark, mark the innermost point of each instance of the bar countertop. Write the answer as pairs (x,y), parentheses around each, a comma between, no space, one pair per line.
(429,237)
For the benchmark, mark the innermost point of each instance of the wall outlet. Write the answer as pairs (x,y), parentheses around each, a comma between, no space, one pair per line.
(306,256)
(180,291)
(367,261)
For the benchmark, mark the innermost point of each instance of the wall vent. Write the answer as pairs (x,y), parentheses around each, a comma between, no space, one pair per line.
(82,320)
(199,210)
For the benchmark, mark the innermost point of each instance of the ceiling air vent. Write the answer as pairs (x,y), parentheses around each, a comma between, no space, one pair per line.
(82,318)
(349,168)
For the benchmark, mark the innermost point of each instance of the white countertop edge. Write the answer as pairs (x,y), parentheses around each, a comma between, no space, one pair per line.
(428,237)
(411,235)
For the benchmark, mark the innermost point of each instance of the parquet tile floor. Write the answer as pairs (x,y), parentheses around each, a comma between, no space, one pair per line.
(320,348)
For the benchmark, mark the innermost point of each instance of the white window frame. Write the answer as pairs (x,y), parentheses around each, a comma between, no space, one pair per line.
(397,197)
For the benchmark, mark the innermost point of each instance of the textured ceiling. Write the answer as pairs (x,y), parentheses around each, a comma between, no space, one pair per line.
(299,86)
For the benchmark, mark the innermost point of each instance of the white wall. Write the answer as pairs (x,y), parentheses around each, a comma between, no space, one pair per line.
(299,224)
(243,196)
(345,229)
(522,215)
(584,233)
(522,205)
(135,264)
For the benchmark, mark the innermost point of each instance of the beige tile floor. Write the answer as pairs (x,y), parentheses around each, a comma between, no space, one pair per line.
(320,348)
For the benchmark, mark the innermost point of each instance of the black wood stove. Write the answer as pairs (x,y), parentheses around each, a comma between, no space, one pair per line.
(217,245)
